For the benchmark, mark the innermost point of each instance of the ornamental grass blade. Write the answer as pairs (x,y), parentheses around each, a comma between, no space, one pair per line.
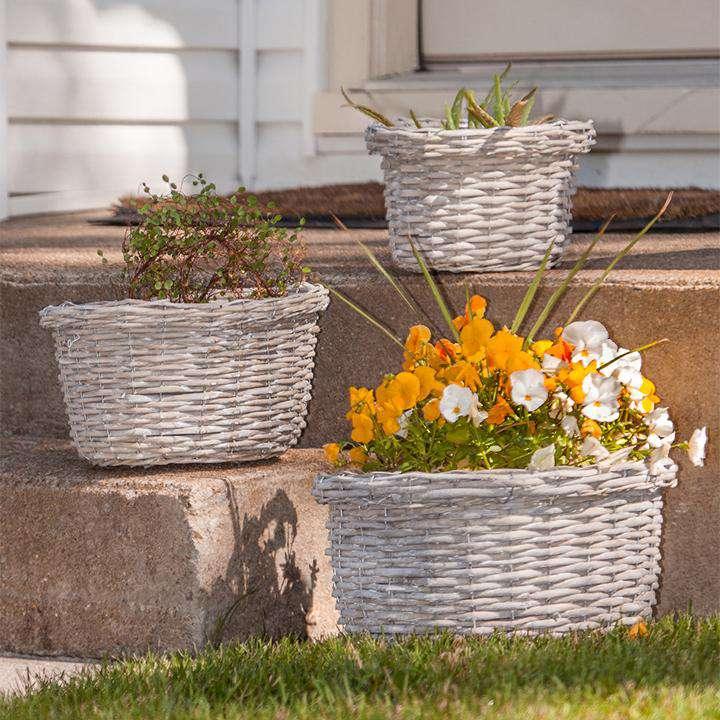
(374,114)
(498,104)
(479,112)
(560,291)
(518,110)
(531,291)
(598,283)
(367,316)
(456,109)
(414,118)
(502,75)
(647,346)
(542,120)
(435,290)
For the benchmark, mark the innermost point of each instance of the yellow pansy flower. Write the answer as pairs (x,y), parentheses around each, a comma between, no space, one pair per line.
(417,346)
(474,338)
(332,452)
(362,400)
(428,381)
(475,307)
(501,347)
(363,428)
(431,410)
(499,411)
(358,456)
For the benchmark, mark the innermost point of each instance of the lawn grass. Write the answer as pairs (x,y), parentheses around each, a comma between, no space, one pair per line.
(674,672)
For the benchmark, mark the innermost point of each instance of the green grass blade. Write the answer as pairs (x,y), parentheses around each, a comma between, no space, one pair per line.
(367,316)
(530,103)
(521,109)
(598,283)
(387,275)
(531,291)
(374,114)
(456,109)
(647,346)
(449,123)
(478,112)
(502,76)
(414,118)
(435,290)
(560,291)
(498,109)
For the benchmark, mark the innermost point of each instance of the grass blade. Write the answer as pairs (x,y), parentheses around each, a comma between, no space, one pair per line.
(456,109)
(542,120)
(374,114)
(502,75)
(367,316)
(449,123)
(596,285)
(498,109)
(560,291)
(521,109)
(531,291)
(479,112)
(435,290)
(414,118)
(630,352)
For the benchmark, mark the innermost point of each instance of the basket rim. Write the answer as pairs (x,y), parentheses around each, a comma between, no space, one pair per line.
(560,478)
(436,130)
(299,292)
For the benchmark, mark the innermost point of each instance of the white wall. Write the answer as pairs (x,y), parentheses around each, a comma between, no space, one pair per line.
(103,94)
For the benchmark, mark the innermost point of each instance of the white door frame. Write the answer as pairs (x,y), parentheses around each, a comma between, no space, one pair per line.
(3,115)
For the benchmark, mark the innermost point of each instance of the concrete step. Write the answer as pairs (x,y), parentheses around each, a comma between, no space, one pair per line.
(113,562)
(99,562)
(668,288)
(19,673)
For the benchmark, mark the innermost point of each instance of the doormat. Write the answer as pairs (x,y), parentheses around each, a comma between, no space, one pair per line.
(361,205)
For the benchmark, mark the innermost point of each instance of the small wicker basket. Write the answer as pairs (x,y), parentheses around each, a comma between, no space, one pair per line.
(513,550)
(479,199)
(150,383)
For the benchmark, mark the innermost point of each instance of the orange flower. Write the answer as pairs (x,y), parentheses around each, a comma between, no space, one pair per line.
(638,630)
(363,428)
(428,382)
(521,361)
(431,410)
(362,400)
(551,384)
(447,351)
(462,373)
(475,307)
(474,338)
(358,456)
(332,452)
(501,347)
(499,411)
(540,347)
(573,377)
(590,427)
(417,346)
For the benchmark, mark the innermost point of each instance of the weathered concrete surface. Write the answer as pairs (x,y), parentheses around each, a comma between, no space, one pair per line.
(669,287)
(109,562)
(18,674)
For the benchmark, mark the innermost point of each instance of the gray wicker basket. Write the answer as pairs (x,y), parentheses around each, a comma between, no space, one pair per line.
(150,383)
(479,199)
(514,550)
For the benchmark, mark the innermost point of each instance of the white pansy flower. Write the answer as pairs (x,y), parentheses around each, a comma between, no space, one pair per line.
(601,398)
(570,427)
(528,388)
(659,461)
(477,414)
(543,458)
(456,402)
(660,427)
(550,363)
(696,446)
(625,368)
(594,448)
(591,342)
(403,423)
(562,404)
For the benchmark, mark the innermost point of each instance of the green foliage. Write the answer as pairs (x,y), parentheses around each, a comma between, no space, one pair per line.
(497,109)
(198,247)
(674,672)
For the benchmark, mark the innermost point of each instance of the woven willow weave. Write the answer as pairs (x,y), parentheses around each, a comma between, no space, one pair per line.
(515,550)
(479,200)
(149,383)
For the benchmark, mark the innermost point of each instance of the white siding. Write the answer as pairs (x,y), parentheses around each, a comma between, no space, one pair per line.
(103,94)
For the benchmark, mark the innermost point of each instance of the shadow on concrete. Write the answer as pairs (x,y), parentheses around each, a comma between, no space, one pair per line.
(264,591)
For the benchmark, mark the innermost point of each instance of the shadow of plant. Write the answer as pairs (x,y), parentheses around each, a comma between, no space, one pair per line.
(264,592)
